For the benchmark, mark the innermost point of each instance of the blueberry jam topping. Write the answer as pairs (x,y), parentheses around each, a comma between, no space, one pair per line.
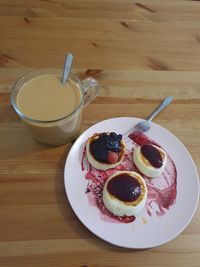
(106,142)
(152,154)
(124,187)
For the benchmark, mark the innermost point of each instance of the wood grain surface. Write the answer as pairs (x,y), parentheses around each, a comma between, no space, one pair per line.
(139,51)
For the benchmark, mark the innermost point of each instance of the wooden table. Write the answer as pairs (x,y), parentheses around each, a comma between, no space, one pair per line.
(142,51)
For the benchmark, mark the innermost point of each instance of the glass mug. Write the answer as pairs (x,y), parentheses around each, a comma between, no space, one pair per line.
(62,130)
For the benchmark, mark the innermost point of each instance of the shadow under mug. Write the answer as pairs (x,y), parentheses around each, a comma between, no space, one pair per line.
(62,130)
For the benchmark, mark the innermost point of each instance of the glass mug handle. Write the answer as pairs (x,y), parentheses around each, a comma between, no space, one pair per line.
(91,90)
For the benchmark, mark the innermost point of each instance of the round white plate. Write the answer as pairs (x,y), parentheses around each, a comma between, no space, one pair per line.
(156,230)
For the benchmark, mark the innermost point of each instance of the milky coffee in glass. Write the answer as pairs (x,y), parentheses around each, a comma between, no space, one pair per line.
(51,110)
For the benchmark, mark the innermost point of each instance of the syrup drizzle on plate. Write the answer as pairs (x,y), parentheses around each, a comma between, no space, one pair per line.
(162,190)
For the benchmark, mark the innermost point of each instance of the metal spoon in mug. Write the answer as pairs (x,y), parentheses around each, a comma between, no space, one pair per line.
(67,67)
(144,126)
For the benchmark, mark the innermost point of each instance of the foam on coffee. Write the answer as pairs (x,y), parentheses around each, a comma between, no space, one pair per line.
(45,98)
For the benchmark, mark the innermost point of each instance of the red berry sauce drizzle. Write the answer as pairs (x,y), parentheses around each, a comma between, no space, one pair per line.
(161,190)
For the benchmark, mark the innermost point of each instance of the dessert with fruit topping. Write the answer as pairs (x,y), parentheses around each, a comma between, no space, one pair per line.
(125,193)
(150,160)
(105,150)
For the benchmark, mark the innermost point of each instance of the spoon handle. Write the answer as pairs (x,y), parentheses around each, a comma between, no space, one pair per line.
(67,67)
(163,105)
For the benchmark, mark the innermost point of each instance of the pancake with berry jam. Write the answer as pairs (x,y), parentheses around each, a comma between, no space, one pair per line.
(125,193)
(105,150)
(150,160)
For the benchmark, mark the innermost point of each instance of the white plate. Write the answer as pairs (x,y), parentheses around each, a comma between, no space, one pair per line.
(156,230)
